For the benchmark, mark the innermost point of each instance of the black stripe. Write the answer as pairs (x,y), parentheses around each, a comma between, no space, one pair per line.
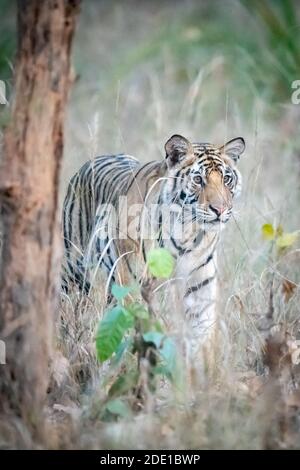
(129,267)
(137,173)
(144,252)
(180,250)
(199,314)
(198,286)
(160,239)
(176,176)
(104,261)
(208,259)
(82,210)
(183,196)
(73,187)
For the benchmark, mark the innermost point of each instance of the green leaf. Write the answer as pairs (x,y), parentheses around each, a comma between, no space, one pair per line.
(154,337)
(111,330)
(138,310)
(286,239)
(168,354)
(124,346)
(118,407)
(120,292)
(268,232)
(160,262)
(166,349)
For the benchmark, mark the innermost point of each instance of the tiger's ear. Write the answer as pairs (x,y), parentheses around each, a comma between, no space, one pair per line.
(177,148)
(234,148)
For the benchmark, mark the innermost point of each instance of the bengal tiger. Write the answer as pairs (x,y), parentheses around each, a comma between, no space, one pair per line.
(116,209)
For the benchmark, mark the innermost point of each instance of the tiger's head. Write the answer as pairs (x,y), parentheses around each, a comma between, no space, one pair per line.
(204,177)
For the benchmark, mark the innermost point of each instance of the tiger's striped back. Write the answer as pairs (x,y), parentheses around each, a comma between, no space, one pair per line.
(98,182)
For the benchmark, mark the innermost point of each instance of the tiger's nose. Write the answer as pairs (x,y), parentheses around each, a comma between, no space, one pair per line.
(218,210)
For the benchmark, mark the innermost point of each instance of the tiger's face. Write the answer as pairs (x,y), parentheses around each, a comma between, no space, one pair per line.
(204,178)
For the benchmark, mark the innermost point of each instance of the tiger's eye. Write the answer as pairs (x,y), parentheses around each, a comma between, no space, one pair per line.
(227,179)
(197,179)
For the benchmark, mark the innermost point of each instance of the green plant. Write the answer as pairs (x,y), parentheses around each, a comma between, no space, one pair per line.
(133,338)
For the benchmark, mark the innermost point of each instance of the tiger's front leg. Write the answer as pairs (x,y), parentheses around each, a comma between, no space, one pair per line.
(199,300)
(200,312)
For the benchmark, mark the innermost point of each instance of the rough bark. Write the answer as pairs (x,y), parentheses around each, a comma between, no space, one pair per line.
(29,180)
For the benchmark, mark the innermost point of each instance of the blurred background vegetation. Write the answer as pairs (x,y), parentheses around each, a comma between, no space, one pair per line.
(7,39)
(247,50)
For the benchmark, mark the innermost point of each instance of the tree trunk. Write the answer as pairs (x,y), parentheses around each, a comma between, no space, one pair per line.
(29,180)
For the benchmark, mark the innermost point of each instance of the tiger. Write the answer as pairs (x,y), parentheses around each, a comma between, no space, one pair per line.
(116,209)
